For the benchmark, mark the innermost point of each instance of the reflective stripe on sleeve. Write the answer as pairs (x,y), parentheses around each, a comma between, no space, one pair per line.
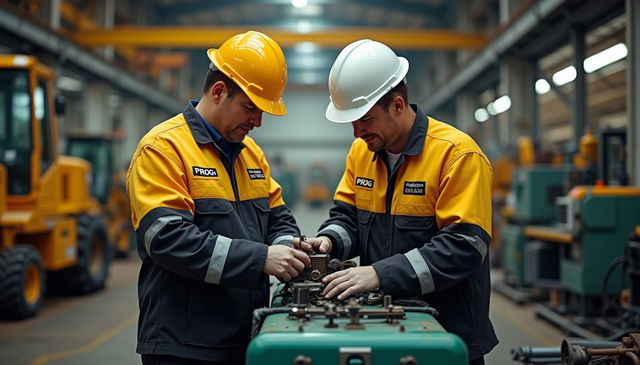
(344,236)
(477,243)
(153,230)
(421,268)
(218,258)
(283,240)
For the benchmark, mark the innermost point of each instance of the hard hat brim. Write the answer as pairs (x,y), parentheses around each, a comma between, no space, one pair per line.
(277,108)
(346,115)
(350,115)
(272,107)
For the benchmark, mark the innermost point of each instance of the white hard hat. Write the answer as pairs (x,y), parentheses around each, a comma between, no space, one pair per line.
(364,72)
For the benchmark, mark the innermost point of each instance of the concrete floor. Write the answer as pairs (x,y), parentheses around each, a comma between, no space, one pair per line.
(100,329)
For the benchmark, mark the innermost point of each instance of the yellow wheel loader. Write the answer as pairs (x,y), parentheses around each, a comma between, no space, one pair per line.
(48,236)
(107,186)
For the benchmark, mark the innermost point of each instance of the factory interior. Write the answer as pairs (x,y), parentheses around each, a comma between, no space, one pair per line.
(549,90)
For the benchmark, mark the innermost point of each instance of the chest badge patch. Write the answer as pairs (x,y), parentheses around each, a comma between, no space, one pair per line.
(364,182)
(204,171)
(414,187)
(255,174)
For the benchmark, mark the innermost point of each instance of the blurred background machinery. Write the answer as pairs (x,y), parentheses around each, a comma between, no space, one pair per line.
(108,189)
(317,184)
(50,239)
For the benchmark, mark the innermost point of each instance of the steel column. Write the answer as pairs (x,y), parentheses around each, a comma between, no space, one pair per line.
(54,13)
(633,88)
(534,115)
(579,105)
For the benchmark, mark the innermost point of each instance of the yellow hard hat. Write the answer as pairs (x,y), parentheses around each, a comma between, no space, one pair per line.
(256,63)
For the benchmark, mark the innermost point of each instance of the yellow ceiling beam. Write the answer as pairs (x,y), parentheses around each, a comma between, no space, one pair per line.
(84,22)
(203,37)
(149,59)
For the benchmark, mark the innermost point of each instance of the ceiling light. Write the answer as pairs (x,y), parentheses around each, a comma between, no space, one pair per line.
(299,3)
(542,87)
(309,78)
(606,57)
(502,104)
(306,47)
(491,109)
(304,26)
(481,115)
(564,76)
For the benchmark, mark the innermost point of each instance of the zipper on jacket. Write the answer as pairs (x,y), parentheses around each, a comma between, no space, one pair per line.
(228,165)
(391,182)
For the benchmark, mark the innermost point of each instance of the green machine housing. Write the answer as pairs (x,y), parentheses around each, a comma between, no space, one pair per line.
(353,334)
(415,339)
(599,220)
(592,233)
(535,190)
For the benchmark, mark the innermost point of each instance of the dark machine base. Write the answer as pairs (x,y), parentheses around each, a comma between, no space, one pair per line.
(518,296)
(546,312)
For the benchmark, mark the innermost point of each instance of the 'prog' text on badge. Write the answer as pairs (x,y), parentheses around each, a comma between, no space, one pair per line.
(364,182)
(205,171)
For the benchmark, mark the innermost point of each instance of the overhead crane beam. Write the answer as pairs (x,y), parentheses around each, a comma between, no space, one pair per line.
(84,22)
(202,37)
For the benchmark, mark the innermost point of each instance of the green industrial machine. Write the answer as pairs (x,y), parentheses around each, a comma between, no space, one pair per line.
(303,328)
(286,175)
(534,190)
(593,230)
(299,337)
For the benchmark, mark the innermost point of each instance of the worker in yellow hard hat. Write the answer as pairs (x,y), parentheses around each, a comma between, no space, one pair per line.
(210,221)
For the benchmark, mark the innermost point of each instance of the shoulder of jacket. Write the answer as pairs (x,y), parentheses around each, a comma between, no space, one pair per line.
(444,135)
(166,137)
(170,129)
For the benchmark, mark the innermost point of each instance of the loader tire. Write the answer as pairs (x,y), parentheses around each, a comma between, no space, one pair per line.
(125,241)
(22,282)
(90,273)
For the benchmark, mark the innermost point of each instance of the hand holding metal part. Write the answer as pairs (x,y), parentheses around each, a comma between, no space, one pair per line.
(313,245)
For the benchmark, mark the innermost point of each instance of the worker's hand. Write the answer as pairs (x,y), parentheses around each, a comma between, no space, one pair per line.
(320,244)
(285,262)
(351,281)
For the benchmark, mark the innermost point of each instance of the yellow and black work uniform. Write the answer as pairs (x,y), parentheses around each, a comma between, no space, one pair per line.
(204,221)
(424,224)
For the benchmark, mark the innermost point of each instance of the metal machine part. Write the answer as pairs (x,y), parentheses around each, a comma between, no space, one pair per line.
(551,354)
(306,288)
(628,352)
(353,311)
(353,334)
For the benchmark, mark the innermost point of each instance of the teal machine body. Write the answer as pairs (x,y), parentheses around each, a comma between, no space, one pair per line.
(302,329)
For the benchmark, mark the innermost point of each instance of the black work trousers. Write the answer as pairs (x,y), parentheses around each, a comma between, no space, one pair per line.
(173,360)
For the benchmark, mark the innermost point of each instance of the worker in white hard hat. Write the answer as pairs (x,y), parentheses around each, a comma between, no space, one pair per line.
(414,201)
(210,221)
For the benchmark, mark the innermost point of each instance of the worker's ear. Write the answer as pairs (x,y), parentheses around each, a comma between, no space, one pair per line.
(217,91)
(398,104)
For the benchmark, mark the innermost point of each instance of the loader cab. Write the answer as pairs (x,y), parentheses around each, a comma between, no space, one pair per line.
(27,139)
(98,150)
